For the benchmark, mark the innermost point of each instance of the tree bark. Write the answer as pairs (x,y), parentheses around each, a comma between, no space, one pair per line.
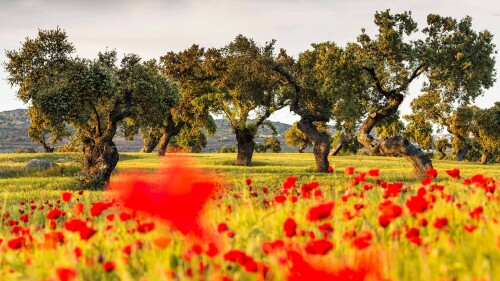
(245,145)
(442,154)
(46,147)
(484,157)
(150,144)
(462,152)
(170,130)
(338,146)
(100,159)
(321,143)
(392,146)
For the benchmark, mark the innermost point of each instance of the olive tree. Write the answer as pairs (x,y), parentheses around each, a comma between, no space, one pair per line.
(41,128)
(296,138)
(324,84)
(487,130)
(237,81)
(451,58)
(93,96)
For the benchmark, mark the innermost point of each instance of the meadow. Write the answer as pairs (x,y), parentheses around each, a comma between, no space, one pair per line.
(276,220)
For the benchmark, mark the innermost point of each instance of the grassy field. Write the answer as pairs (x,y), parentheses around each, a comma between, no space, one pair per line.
(254,217)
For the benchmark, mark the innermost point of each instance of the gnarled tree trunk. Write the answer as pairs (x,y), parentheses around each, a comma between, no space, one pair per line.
(321,143)
(338,146)
(170,130)
(484,156)
(392,146)
(442,154)
(100,158)
(150,144)
(245,145)
(463,150)
(46,148)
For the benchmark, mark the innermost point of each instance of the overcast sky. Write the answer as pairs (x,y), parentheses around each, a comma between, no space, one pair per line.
(151,28)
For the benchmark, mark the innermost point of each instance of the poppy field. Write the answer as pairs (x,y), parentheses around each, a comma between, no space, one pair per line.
(199,217)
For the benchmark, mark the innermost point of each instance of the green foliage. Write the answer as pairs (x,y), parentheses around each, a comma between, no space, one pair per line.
(456,62)
(488,127)
(192,140)
(93,96)
(74,145)
(351,147)
(227,149)
(26,150)
(40,127)
(295,137)
(419,131)
(273,144)
(389,127)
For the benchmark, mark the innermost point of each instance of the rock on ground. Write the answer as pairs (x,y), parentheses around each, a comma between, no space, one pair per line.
(39,163)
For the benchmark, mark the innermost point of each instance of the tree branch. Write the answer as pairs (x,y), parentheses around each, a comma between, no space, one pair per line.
(379,87)
(98,119)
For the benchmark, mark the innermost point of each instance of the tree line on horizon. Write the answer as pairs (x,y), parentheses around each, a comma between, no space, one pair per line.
(358,87)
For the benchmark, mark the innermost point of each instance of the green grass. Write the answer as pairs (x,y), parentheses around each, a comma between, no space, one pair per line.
(450,254)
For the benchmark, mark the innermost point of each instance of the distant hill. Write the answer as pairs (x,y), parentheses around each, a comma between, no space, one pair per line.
(14,134)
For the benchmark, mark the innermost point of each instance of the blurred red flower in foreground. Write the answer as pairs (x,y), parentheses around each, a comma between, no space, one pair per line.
(65,274)
(367,266)
(176,193)
(321,211)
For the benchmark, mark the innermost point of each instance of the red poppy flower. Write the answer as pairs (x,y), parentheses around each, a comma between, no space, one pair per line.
(393,189)
(145,227)
(98,207)
(440,223)
(77,209)
(212,250)
(469,227)
(125,216)
(66,196)
(54,214)
(321,211)
(24,218)
(56,236)
(432,173)
(16,243)
(416,204)
(290,227)
(476,213)
(77,225)
(65,274)
(374,172)
(326,228)
(74,224)
(319,247)
(269,247)
(222,227)
(248,181)
(176,193)
(349,171)
(162,241)
(361,242)
(330,169)
(279,198)
(108,266)
(454,173)
(289,182)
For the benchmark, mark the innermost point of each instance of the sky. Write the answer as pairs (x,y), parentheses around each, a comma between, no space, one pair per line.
(151,28)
